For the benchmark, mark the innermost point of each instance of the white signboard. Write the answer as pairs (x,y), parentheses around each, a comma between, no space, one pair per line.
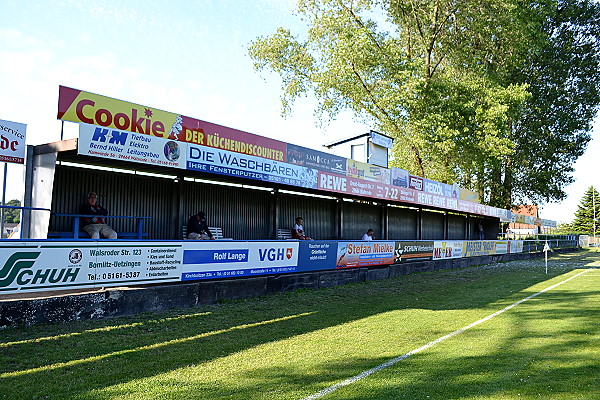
(206,260)
(217,161)
(12,142)
(381,140)
(515,246)
(104,142)
(447,249)
(26,267)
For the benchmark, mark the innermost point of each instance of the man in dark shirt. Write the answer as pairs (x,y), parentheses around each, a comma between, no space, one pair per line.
(95,225)
(197,229)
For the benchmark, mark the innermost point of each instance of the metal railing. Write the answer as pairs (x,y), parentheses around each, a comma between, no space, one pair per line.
(23,211)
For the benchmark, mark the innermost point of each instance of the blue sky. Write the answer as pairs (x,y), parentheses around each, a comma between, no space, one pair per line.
(188,57)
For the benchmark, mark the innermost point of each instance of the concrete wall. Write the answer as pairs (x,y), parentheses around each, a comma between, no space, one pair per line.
(120,302)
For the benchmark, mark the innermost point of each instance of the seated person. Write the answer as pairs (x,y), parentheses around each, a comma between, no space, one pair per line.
(368,235)
(298,230)
(197,229)
(95,226)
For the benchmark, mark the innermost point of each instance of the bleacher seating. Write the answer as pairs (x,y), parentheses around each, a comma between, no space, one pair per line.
(84,235)
(284,234)
(215,230)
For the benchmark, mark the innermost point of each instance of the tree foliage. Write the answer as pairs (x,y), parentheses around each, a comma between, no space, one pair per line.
(497,95)
(12,214)
(584,216)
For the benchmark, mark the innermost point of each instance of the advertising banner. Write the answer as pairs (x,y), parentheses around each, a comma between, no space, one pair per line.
(501,247)
(12,142)
(504,215)
(122,145)
(210,260)
(515,246)
(549,223)
(43,266)
(434,200)
(368,172)
(468,195)
(306,157)
(447,249)
(474,248)
(413,251)
(360,187)
(315,255)
(381,140)
(121,130)
(440,189)
(243,166)
(399,177)
(475,208)
(84,107)
(358,254)
(415,182)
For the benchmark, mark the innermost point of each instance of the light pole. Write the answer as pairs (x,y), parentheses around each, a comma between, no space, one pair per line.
(594,213)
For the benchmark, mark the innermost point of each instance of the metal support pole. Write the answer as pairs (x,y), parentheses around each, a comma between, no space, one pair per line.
(3,202)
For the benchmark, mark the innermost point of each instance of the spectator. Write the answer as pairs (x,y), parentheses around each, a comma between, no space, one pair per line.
(480,231)
(94,225)
(298,230)
(197,229)
(368,235)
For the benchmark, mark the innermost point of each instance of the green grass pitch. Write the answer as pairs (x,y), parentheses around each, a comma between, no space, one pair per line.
(295,345)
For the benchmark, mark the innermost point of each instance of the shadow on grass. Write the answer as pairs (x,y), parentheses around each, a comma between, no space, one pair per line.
(529,363)
(94,355)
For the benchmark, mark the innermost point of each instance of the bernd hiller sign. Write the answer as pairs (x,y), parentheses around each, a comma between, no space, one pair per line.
(12,142)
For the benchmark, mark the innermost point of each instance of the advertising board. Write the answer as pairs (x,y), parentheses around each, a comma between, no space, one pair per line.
(368,172)
(359,254)
(399,177)
(515,246)
(468,195)
(43,266)
(306,157)
(131,132)
(123,145)
(474,248)
(12,142)
(447,249)
(501,247)
(381,140)
(89,108)
(210,260)
(413,251)
(244,166)
(317,255)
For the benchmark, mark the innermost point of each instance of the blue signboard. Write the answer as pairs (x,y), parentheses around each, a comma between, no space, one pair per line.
(306,157)
(316,255)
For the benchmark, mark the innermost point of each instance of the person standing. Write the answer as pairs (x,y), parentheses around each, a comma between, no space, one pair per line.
(298,230)
(197,229)
(480,231)
(94,224)
(368,235)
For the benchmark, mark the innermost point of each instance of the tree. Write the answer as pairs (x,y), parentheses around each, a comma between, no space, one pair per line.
(563,78)
(587,215)
(12,215)
(472,91)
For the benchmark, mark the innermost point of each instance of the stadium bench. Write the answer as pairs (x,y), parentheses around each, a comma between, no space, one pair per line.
(76,233)
(215,230)
(284,234)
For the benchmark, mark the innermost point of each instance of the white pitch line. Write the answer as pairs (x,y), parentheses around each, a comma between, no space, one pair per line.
(393,361)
